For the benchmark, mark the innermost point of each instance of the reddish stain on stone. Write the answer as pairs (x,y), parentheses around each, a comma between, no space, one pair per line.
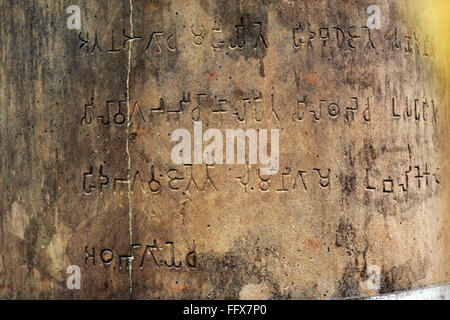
(211,75)
(143,131)
(311,245)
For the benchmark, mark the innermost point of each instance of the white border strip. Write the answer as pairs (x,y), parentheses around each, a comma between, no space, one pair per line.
(439,292)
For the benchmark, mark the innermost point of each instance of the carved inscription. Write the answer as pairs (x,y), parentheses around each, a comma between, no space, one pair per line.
(155,255)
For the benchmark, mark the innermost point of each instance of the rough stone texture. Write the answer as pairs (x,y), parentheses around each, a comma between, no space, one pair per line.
(362,150)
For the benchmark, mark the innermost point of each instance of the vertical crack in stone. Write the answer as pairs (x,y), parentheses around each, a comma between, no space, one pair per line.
(130,208)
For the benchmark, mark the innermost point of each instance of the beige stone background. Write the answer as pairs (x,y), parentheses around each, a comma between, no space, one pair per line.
(81,185)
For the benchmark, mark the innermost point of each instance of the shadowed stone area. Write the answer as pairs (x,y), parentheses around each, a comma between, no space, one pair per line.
(358,205)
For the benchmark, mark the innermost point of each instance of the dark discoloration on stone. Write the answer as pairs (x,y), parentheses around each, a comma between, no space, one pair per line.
(349,285)
(396,279)
(246,263)
(346,235)
(348,183)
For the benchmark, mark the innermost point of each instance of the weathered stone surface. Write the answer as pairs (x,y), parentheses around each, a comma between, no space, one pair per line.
(362,178)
